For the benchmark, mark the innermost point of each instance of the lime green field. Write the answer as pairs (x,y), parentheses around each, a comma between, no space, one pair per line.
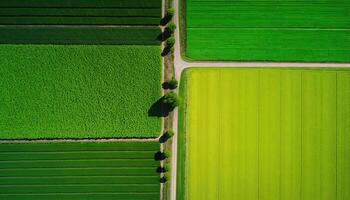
(267,134)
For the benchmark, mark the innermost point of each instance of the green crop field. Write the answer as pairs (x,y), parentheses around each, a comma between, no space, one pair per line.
(79,35)
(265,134)
(302,30)
(49,91)
(80,21)
(73,171)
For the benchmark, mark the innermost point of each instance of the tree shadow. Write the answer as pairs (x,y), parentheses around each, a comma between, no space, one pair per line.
(163,180)
(166,51)
(165,20)
(159,156)
(160,170)
(163,138)
(159,109)
(164,35)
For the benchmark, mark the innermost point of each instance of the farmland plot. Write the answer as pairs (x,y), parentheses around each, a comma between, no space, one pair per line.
(67,21)
(268,30)
(70,171)
(265,134)
(77,91)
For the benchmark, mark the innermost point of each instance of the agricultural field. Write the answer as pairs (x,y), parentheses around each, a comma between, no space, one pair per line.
(59,19)
(264,134)
(77,91)
(71,171)
(300,30)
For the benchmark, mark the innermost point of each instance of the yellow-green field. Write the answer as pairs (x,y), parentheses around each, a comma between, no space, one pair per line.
(267,134)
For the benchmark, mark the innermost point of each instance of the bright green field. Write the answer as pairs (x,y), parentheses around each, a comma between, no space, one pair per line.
(76,171)
(276,30)
(267,134)
(78,91)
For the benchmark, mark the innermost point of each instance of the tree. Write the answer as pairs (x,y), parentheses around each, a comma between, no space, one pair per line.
(171,100)
(170,42)
(165,178)
(169,134)
(170,13)
(166,168)
(171,27)
(172,83)
(167,154)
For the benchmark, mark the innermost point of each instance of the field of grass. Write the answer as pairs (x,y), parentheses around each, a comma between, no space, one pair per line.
(71,171)
(49,91)
(268,30)
(265,134)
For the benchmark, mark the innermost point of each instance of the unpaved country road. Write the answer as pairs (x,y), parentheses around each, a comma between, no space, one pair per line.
(181,64)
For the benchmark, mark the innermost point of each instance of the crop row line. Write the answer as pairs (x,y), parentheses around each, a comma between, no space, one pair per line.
(85,184)
(274,28)
(71,176)
(73,151)
(67,168)
(77,160)
(77,193)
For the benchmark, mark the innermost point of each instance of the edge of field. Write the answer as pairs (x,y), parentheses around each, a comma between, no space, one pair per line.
(181,149)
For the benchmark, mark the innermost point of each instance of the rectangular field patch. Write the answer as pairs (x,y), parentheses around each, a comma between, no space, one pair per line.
(303,30)
(70,171)
(267,134)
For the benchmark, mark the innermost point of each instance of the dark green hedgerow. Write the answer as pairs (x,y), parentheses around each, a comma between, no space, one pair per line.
(82,3)
(49,91)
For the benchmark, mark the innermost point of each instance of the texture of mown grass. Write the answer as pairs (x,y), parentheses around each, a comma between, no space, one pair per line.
(77,171)
(78,91)
(268,30)
(267,134)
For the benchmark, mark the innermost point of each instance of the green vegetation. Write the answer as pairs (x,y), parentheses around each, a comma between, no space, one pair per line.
(129,22)
(265,134)
(170,42)
(89,171)
(95,12)
(79,35)
(268,30)
(78,91)
(171,100)
(171,27)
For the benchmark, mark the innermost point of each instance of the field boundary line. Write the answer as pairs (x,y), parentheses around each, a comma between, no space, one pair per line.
(79,140)
(274,28)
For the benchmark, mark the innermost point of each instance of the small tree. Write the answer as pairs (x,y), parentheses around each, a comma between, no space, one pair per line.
(170,13)
(173,83)
(171,100)
(166,168)
(165,178)
(167,154)
(171,27)
(169,134)
(170,42)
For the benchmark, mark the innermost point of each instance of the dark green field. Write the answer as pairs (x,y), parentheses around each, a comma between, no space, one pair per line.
(92,12)
(80,22)
(76,91)
(73,171)
(79,35)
